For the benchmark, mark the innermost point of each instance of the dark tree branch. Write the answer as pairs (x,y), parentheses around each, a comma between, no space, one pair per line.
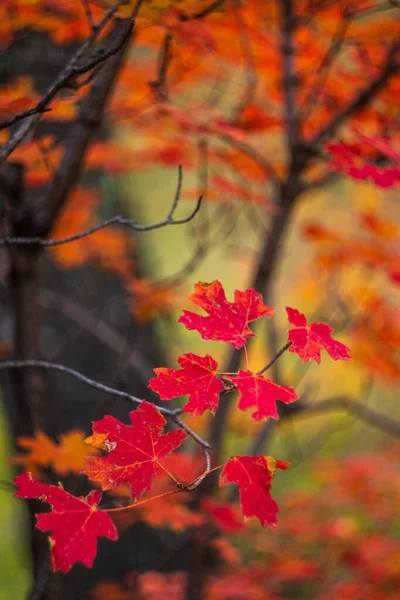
(323,70)
(289,78)
(81,134)
(164,59)
(172,414)
(365,413)
(117,220)
(252,153)
(250,71)
(275,358)
(17,137)
(206,11)
(389,70)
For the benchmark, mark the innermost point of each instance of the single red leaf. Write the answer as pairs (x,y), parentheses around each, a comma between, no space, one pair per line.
(254,478)
(227,321)
(257,390)
(307,342)
(75,522)
(196,377)
(134,450)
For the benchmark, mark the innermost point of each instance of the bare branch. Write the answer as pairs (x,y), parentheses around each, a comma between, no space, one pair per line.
(164,60)
(44,364)
(390,69)
(250,70)
(117,220)
(252,153)
(273,360)
(289,78)
(206,11)
(323,69)
(88,13)
(365,413)
(68,72)
(192,433)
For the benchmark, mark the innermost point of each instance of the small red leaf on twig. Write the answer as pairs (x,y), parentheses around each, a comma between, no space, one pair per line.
(227,321)
(254,478)
(134,450)
(257,390)
(307,342)
(196,377)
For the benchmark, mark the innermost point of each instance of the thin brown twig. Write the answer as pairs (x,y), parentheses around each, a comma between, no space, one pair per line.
(44,364)
(66,74)
(88,13)
(116,220)
(289,77)
(275,358)
(164,60)
(365,96)
(323,69)
(364,412)
(250,70)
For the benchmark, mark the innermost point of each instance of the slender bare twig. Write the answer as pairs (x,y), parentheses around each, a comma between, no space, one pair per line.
(42,107)
(250,71)
(88,13)
(253,154)
(364,412)
(67,73)
(44,364)
(206,11)
(273,360)
(390,68)
(192,433)
(323,70)
(164,60)
(289,78)
(117,220)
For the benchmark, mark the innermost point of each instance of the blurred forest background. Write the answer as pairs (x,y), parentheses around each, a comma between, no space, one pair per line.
(284,117)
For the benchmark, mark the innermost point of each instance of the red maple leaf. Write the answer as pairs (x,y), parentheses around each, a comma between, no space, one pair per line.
(227,321)
(196,378)
(257,390)
(75,522)
(254,478)
(134,450)
(307,342)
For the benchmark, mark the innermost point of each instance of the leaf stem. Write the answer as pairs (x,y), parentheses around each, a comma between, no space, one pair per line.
(246,356)
(135,504)
(273,360)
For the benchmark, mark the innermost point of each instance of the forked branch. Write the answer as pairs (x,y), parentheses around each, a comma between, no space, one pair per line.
(117,220)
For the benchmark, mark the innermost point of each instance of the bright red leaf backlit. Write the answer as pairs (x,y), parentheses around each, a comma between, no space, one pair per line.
(254,478)
(134,450)
(227,321)
(307,342)
(256,390)
(75,522)
(196,377)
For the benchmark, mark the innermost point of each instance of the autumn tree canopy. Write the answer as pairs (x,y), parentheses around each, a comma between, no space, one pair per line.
(254,107)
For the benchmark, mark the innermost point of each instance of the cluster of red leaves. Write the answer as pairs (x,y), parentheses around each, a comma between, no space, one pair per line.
(357,160)
(340,539)
(135,453)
